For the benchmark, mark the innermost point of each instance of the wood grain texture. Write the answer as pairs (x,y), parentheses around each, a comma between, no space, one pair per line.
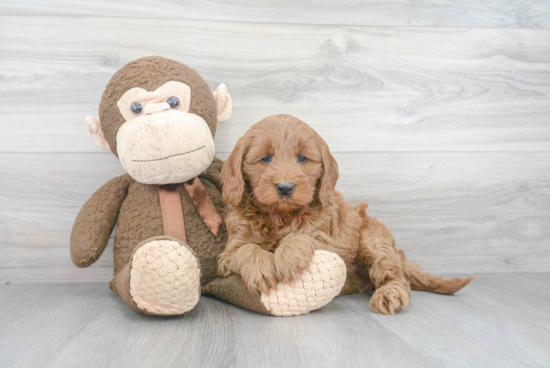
(451,212)
(428,13)
(496,321)
(365,89)
(437,111)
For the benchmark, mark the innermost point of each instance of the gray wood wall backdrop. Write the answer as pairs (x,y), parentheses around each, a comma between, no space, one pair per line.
(438,113)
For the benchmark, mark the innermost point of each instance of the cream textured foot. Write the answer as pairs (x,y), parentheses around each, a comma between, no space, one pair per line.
(165,278)
(315,288)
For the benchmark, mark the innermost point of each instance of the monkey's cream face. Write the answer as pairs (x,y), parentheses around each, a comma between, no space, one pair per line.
(161,142)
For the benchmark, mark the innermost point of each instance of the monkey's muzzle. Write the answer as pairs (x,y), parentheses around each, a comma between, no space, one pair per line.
(167,147)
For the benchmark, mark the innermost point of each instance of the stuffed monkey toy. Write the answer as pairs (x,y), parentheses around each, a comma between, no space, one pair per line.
(159,117)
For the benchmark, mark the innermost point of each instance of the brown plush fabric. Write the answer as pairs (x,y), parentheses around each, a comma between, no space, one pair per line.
(233,290)
(121,285)
(150,73)
(135,208)
(96,220)
(140,218)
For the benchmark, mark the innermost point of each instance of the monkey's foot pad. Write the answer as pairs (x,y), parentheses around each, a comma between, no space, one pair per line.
(315,288)
(165,278)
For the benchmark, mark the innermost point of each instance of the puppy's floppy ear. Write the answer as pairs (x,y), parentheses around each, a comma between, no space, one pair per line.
(232,173)
(330,176)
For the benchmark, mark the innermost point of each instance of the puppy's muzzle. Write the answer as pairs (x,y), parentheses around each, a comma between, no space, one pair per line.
(285,188)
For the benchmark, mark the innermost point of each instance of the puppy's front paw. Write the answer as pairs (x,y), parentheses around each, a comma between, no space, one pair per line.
(259,275)
(292,256)
(390,298)
(223,266)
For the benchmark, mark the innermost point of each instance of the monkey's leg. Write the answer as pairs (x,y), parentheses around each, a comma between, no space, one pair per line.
(382,262)
(315,288)
(162,278)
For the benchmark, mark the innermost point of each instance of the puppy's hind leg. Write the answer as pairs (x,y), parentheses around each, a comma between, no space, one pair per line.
(379,257)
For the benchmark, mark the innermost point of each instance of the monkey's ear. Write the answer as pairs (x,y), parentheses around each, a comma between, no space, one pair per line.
(223,103)
(94,128)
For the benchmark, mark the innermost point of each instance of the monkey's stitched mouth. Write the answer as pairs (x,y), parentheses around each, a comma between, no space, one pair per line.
(164,158)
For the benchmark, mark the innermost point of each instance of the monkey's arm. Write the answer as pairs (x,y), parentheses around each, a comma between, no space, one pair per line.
(96,221)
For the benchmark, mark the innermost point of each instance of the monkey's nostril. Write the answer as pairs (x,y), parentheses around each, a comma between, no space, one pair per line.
(285,188)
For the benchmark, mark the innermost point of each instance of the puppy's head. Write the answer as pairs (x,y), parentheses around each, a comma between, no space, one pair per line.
(282,164)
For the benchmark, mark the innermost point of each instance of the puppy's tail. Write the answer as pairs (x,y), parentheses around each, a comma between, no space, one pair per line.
(425,281)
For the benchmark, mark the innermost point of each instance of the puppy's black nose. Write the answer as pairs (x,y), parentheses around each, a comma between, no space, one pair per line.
(285,188)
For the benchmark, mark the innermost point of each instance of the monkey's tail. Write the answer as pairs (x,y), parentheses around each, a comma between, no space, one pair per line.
(425,281)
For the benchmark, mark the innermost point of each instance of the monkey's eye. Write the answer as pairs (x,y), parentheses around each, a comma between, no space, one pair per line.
(136,108)
(173,102)
(267,159)
(301,158)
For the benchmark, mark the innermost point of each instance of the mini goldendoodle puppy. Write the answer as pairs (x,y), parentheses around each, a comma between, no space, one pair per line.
(279,187)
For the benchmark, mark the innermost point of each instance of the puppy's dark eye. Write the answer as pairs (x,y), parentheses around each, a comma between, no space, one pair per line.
(267,159)
(136,108)
(301,158)
(173,102)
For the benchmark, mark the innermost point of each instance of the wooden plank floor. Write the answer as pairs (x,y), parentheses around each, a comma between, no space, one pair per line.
(426,13)
(445,213)
(499,320)
(443,131)
(364,88)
